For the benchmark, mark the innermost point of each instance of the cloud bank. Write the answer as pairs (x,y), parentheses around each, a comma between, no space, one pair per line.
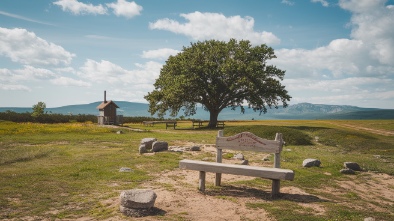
(119,8)
(204,26)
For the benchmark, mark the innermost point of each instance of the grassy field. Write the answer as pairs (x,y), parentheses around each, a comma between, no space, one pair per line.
(67,171)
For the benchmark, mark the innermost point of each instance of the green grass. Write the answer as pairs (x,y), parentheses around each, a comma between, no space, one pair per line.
(67,171)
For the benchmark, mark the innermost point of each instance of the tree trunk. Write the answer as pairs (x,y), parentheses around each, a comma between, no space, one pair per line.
(213,119)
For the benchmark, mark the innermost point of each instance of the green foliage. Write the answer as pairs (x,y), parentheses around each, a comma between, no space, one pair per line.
(217,75)
(290,136)
(352,140)
(38,109)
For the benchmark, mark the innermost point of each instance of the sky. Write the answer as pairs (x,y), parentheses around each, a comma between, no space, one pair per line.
(66,52)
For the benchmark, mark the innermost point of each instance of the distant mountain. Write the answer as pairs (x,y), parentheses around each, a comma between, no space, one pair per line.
(296,111)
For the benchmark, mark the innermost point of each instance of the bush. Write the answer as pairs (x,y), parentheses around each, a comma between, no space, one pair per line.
(290,135)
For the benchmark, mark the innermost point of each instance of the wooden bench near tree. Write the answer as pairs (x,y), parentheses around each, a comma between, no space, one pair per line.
(244,141)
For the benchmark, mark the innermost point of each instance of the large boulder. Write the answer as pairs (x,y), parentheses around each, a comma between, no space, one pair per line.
(148,142)
(158,146)
(137,202)
(311,163)
(352,165)
(142,149)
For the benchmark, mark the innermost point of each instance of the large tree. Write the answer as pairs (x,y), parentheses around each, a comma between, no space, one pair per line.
(218,74)
(38,109)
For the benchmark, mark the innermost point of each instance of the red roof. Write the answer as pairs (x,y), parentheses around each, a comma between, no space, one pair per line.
(104,104)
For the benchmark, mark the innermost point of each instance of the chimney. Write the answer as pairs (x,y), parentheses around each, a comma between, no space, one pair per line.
(105,96)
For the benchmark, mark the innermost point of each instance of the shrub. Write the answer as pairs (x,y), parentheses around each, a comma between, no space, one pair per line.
(290,135)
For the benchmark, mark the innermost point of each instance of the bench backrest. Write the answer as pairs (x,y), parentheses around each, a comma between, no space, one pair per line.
(247,141)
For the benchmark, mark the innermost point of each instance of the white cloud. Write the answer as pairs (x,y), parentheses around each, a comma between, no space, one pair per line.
(107,72)
(66,81)
(125,8)
(14,87)
(369,51)
(288,2)
(368,91)
(25,47)
(23,18)
(204,26)
(161,54)
(342,57)
(323,2)
(372,23)
(79,8)
(31,73)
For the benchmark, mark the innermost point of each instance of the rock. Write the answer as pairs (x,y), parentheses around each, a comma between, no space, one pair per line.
(244,162)
(138,198)
(142,149)
(135,212)
(311,163)
(347,171)
(195,148)
(267,158)
(176,149)
(352,165)
(369,219)
(125,169)
(119,132)
(148,142)
(158,146)
(239,156)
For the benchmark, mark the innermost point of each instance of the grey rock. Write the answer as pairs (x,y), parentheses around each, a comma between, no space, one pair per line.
(135,212)
(142,149)
(158,146)
(369,219)
(239,156)
(352,165)
(195,148)
(267,158)
(347,171)
(148,142)
(125,169)
(138,198)
(311,163)
(119,132)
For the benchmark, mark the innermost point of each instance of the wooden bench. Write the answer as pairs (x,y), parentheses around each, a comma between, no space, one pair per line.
(168,123)
(245,142)
(199,123)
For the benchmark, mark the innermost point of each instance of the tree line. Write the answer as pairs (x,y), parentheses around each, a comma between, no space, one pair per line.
(52,118)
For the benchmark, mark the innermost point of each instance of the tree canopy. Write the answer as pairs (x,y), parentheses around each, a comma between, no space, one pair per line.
(218,74)
(38,109)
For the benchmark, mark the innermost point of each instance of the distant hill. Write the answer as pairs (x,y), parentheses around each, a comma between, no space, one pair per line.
(296,111)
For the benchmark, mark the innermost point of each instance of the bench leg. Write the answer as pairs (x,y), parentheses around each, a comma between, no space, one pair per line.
(218,179)
(275,188)
(201,182)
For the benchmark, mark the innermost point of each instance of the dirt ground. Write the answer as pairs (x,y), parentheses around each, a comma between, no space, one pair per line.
(178,197)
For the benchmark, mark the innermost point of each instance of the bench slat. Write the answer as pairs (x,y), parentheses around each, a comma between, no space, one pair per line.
(264,172)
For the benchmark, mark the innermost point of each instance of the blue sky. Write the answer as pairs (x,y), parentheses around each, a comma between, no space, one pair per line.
(65,52)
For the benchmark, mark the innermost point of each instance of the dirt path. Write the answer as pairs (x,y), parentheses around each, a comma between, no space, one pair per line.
(374,131)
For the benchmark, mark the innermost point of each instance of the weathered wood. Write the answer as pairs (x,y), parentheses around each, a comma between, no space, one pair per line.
(245,170)
(218,176)
(275,188)
(201,182)
(248,142)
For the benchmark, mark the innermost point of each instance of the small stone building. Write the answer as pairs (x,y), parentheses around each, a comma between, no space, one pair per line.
(107,113)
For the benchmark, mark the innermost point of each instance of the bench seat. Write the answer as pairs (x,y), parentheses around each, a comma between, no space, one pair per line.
(245,170)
